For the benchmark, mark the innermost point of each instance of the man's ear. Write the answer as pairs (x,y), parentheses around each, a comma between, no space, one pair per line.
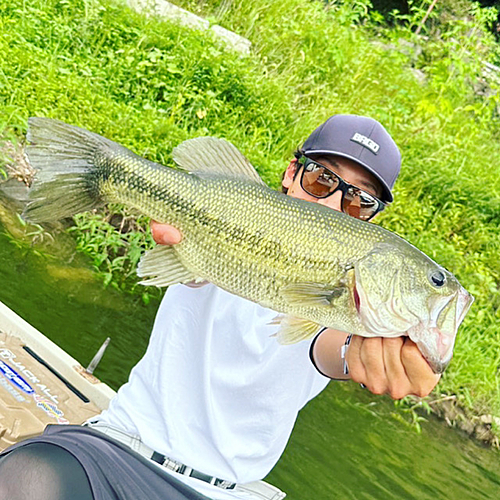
(289,175)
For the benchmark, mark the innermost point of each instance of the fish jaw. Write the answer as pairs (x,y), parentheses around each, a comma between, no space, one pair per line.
(436,348)
(436,338)
(432,325)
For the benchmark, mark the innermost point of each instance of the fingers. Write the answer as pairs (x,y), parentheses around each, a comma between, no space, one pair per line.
(164,234)
(420,375)
(370,354)
(398,384)
(372,357)
(357,369)
(391,366)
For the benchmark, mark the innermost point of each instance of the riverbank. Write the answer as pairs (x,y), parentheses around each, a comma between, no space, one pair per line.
(483,428)
(149,85)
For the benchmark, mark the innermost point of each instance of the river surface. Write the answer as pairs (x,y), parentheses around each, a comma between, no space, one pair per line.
(347,444)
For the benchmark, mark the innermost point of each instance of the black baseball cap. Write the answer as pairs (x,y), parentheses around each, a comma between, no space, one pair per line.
(363,140)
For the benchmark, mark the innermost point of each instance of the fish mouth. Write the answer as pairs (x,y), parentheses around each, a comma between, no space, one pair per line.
(437,339)
(443,347)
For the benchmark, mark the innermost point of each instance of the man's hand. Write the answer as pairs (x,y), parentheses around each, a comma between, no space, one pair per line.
(164,234)
(385,366)
(391,366)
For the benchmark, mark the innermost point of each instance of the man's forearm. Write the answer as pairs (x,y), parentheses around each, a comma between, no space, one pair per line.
(327,354)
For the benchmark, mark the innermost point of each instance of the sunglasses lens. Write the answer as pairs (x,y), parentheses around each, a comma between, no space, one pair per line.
(318,181)
(360,204)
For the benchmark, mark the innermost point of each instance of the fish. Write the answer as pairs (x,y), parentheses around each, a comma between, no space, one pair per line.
(316,267)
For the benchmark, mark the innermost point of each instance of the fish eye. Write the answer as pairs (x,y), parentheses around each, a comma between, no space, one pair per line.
(437,278)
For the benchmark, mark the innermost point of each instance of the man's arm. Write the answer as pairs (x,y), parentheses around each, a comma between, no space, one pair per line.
(385,366)
(391,366)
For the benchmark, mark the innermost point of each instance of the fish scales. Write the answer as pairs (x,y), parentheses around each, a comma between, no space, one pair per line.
(316,266)
(236,233)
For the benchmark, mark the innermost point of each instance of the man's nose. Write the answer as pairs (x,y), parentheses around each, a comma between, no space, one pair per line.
(334,201)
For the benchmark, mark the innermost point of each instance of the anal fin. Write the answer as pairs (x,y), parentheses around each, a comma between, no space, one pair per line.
(161,267)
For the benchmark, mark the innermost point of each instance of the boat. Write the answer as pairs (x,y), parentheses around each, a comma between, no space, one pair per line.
(40,383)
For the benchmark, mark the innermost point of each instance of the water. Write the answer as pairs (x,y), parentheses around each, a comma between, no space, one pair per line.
(68,303)
(347,444)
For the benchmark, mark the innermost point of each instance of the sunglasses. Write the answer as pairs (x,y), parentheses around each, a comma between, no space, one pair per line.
(321,182)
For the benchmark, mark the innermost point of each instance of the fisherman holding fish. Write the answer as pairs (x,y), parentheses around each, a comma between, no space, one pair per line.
(209,409)
(392,366)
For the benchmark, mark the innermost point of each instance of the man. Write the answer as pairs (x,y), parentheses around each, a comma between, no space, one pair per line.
(210,407)
(391,366)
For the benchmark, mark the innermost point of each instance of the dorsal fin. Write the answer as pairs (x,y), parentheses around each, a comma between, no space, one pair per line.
(213,155)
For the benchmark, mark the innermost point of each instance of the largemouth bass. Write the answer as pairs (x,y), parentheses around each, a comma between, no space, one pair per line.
(315,266)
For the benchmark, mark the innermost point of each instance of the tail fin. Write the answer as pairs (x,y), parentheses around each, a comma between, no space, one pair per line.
(66,159)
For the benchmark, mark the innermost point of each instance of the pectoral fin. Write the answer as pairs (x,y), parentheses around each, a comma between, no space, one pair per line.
(293,330)
(313,294)
(161,267)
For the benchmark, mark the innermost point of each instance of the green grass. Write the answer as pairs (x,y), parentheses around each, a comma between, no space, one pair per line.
(149,85)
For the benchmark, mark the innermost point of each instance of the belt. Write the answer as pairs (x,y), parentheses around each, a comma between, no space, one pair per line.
(137,445)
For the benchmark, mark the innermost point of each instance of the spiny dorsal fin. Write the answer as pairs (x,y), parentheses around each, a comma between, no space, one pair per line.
(162,267)
(213,155)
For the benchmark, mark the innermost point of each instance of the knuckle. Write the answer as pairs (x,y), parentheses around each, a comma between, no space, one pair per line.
(397,393)
(356,374)
(421,392)
(377,388)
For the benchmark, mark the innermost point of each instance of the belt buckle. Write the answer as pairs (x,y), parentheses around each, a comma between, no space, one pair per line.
(196,474)
(168,463)
(225,485)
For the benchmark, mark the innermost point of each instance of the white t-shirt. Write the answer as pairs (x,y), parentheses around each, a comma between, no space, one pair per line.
(215,390)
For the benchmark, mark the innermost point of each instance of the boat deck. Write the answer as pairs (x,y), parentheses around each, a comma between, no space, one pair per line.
(40,383)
